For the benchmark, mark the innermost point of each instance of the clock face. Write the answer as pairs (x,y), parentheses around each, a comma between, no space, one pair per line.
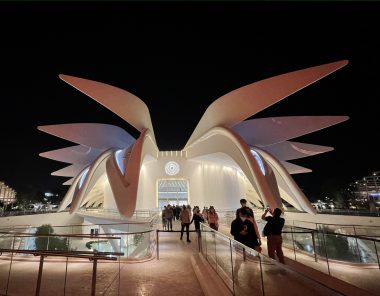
(172,168)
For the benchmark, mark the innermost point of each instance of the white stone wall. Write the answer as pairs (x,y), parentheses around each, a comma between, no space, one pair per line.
(209,184)
(54,219)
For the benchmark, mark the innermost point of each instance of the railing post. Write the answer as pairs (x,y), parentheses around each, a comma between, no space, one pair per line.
(216,259)
(262,275)
(10,265)
(377,255)
(314,247)
(199,241)
(327,257)
(94,270)
(158,245)
(294,247)
(357,244)
(232,269)
(40,275)
(64,287)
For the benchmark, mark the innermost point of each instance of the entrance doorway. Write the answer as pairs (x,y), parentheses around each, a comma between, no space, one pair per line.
(173,192)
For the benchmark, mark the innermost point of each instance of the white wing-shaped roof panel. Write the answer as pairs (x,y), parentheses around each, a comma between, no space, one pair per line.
(75,154)
(295,169)
(288,150)
(68,182)
(248,100)
(126,105)
(272,130)
(69,171)
(96,135)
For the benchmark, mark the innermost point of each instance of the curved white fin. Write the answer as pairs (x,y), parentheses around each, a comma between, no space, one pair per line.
(295,169)
(97,135)
(248,100)
(272,130)
(126,105)
(288,150)
(75,154)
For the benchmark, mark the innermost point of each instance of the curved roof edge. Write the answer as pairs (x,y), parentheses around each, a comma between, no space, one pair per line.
(258,96)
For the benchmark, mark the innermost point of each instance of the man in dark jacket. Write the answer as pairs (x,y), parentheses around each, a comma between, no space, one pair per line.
(236,227)
(272,231)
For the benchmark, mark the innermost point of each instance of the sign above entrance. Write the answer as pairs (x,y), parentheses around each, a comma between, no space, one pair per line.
(171,168)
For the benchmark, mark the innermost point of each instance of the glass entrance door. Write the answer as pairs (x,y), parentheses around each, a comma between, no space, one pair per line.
(173,192)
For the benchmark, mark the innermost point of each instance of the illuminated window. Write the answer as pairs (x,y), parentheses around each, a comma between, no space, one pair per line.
(83,177)
(119,161)
(259,161)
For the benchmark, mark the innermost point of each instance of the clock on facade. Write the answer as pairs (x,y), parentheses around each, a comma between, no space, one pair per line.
(171,168)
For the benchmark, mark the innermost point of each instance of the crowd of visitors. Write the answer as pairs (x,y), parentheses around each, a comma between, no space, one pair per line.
(244,228)
(187,216)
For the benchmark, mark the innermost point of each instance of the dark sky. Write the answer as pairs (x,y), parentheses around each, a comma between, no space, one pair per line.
(178,58)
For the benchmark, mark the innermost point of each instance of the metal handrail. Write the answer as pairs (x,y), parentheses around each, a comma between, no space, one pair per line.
(256,254)
(74,254)
(84,225)
(92,256)
(346,225)
(102,235)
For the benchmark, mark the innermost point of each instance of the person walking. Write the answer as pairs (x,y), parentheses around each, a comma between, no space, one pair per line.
(164,224)
(272,230)
(177,212)
(243,203)
(249,235)
(213,218)
(169,217)
(197,218)
(236,227)
(205,213)
(185,222)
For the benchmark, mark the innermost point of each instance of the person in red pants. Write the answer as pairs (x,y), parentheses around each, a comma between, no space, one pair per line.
(272,231)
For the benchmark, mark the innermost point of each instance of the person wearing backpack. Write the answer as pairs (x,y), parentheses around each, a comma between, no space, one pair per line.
(272,231)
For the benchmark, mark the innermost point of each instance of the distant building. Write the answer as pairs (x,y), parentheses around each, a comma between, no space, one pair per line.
(7,194)
(365,193)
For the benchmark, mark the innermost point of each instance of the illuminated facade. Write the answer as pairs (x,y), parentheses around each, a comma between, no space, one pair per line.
(226,158)
(7,194)
(365,193)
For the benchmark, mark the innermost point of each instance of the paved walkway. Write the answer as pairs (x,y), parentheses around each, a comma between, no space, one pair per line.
(171,275)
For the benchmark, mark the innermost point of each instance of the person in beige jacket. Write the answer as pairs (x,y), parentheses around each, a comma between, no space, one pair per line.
(184,216)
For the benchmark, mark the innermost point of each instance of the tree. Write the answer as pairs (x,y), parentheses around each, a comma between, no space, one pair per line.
(44,240)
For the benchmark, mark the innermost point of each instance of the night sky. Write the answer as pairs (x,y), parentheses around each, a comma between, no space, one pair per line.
(179,58)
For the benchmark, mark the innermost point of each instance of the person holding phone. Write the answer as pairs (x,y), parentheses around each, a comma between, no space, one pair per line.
(248,233)
(273,230)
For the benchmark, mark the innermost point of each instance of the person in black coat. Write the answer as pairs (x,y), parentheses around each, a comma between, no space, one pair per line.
(248,233)
(197,218)
(236,227)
